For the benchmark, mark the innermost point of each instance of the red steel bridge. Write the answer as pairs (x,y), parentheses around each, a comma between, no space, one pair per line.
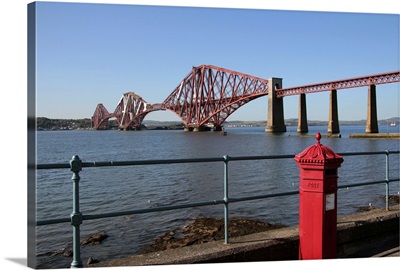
(208,95)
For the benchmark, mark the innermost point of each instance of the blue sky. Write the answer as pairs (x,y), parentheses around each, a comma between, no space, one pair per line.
(92,53)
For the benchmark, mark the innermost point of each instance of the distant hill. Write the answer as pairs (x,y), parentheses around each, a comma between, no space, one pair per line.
(44,123)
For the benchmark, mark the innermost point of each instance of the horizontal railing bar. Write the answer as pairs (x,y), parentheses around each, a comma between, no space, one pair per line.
(52,221)
(130,163)
(369,153)
(150,162)
(53,166)
(259,157)
(191,160)
(131,212)
(368,183)
(257,197)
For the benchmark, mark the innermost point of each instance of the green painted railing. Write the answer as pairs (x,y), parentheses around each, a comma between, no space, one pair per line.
(76,218)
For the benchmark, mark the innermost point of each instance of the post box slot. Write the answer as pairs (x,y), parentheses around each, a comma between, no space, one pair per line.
(330,172)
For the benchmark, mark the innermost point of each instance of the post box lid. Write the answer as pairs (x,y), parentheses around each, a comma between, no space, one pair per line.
(319,154)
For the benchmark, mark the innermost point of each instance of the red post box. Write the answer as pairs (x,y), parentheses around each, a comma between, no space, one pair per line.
(318,200)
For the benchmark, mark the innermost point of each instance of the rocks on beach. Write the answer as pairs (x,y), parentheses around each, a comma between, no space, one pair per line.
(393,200)
(94,239)
(206,229)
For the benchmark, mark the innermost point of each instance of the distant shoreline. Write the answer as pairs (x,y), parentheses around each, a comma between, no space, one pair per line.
(44,124)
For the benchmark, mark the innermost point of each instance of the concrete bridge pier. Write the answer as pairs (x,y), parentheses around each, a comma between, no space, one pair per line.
(333,122)
(201,128)
(217,128)
(302,125)
(372,116)
(275,121)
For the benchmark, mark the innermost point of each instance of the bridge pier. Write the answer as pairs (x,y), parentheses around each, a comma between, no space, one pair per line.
(201,128)
(275,121)
(333,122)
(217,128)
(302,125)
(197,129)
(372,116)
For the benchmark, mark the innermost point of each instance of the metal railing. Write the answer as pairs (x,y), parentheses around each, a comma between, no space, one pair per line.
(76,218)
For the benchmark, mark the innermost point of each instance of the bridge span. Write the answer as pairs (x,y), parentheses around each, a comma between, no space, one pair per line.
(208,95)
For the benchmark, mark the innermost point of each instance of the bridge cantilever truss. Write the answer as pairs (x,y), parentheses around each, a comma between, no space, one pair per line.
(206,96)
(210,94)
(100,117)
(130,112)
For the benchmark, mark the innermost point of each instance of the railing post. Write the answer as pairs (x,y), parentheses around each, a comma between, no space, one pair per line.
(76,216)
(387,180)
(226,200)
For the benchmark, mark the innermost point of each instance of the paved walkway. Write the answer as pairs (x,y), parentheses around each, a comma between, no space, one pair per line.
(281,239)
(394,252)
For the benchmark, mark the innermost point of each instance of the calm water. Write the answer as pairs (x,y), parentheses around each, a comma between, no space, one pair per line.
(112,189)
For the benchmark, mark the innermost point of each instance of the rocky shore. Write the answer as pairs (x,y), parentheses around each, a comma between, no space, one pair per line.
(206,229)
